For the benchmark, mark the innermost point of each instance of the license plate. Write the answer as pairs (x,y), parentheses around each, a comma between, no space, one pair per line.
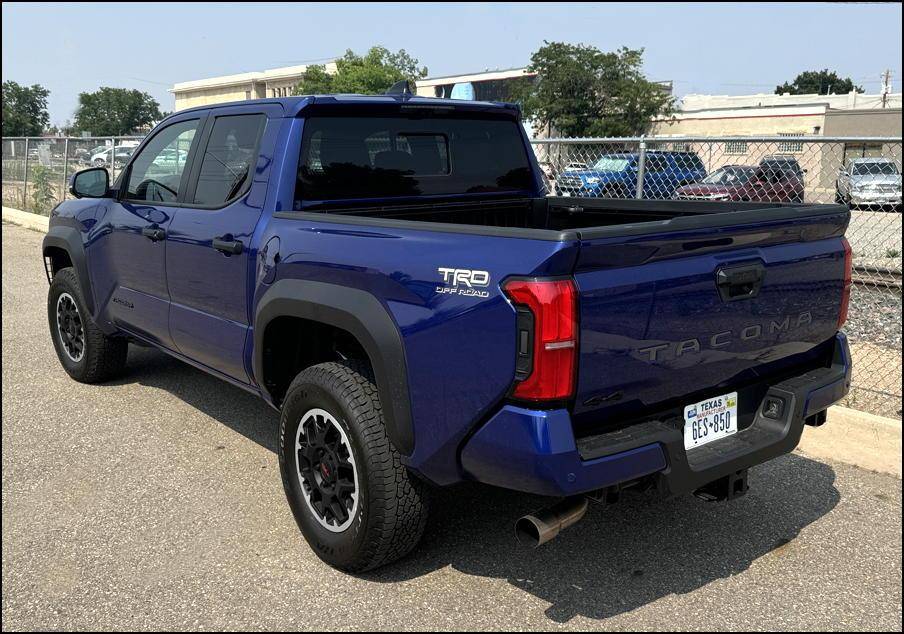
(710,420)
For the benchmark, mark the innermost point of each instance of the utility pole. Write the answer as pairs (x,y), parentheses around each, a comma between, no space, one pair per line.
(886,86)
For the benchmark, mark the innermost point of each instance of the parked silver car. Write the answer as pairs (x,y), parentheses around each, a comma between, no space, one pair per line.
(869,182)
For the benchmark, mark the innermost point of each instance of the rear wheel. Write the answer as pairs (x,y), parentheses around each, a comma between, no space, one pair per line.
(84,351)
(355,503)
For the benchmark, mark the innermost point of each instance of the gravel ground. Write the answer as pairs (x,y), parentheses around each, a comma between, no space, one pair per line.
(874,330)
(875,317)
(154,502)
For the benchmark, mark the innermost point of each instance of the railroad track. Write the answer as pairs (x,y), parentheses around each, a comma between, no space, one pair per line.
(882,278)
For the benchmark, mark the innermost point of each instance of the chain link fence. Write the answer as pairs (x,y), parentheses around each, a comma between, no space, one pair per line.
(36,170)
(864,173)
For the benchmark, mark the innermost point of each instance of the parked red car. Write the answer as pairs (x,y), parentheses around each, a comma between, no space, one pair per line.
(766,182)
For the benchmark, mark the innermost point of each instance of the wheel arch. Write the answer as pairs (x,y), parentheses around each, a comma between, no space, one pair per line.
(64,240)
(363,316)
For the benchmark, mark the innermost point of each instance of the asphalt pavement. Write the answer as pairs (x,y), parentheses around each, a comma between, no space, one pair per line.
(154,502)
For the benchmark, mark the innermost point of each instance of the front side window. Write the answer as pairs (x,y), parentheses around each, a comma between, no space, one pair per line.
(228,160)
(156,173)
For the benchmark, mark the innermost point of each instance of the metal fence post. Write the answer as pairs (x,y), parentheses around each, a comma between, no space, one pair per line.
(113,161)
(641,166)
(25,180)
(65,168)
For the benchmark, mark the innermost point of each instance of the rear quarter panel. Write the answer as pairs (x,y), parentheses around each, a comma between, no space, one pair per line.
(459,349)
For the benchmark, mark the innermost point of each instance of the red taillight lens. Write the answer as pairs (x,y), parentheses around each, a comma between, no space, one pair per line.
(553,306)
(846,289)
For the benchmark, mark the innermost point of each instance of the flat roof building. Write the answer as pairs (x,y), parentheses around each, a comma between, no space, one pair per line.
(276,82)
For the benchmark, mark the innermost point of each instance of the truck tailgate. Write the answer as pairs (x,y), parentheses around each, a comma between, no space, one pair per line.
(669,315)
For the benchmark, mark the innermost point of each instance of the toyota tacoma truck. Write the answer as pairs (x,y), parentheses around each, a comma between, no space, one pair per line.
(389,274)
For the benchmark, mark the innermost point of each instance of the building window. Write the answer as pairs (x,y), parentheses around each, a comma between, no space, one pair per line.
(736,147)
(791,147)
(861,150)
(247,94)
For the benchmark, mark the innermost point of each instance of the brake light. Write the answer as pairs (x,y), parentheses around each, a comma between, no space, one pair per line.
(846,289)
(547,338)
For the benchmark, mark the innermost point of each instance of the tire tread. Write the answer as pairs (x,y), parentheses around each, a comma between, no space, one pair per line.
(397,500)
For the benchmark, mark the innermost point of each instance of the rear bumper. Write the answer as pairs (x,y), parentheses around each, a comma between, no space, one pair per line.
(535,450)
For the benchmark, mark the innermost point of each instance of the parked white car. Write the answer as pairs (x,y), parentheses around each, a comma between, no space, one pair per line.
(869,182)
(102,159)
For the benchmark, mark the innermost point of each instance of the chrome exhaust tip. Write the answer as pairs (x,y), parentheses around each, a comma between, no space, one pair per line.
(537,529)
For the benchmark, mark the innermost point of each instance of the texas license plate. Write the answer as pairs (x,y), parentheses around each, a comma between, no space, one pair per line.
(710,420)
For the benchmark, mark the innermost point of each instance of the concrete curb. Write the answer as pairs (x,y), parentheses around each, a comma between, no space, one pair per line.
(858,438)
(850,436)
(25,219)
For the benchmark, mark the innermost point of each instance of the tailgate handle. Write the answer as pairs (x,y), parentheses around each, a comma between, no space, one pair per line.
(740,282)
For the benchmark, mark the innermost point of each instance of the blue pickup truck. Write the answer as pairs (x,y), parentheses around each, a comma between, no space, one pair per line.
(389,273)
(616,175)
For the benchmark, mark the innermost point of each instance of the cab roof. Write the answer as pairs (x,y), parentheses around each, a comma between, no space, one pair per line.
(293,106)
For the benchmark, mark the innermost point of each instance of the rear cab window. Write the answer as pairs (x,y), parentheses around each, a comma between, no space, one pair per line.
(354,158)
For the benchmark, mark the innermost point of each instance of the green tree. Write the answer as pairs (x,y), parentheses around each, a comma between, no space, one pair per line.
(115,111)
(370,74)
(24,109)
(581,91)
(820,82)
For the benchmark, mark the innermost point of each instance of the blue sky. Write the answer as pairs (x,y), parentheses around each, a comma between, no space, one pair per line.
(708,47)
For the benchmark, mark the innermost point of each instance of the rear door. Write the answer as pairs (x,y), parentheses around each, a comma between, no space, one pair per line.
(669,316)
(658,181)
(210,252)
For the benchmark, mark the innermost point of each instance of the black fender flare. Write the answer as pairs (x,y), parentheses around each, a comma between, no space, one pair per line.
(69,239)
(359,313)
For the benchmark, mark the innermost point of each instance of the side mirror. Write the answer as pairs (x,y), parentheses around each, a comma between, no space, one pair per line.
(93,182)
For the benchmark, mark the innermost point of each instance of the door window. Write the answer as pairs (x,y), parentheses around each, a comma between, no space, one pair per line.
(228,158)
(156,173)
(656,163)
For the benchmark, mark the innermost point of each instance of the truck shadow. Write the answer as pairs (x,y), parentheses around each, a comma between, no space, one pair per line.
(617,559)
(622,557)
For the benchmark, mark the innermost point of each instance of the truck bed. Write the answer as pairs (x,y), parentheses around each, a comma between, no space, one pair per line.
(571,218)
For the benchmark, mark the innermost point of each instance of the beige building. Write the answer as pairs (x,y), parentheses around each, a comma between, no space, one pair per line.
(782,115)
(490,85)
(734,119)
(277,82)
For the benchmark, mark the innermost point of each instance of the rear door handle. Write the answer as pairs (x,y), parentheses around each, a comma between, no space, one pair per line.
(225,244)
(153,232)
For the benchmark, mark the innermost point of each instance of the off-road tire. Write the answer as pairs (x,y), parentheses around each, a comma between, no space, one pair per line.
(104,357)
(392,506)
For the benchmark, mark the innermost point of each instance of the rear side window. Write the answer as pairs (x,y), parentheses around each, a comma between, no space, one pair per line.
(657,163)
(228,159)
(689,162)
(377,157)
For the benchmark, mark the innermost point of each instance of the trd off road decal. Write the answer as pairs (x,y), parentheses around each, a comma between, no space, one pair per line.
(464,282)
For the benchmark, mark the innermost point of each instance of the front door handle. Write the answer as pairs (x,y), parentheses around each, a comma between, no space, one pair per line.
(153,232)
(225,244)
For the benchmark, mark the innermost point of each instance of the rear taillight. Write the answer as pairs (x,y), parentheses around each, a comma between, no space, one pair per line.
(547,338)
(846,289)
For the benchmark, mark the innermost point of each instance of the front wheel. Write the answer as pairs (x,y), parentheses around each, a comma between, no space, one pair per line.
(84,351)
(355,502)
